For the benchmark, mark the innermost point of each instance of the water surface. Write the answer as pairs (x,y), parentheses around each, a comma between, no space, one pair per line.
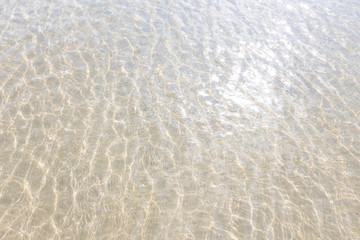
(180,119)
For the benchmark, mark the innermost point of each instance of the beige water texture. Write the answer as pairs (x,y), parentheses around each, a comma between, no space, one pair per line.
(180,119)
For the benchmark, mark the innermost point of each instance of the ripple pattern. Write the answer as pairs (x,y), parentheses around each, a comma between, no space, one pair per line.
(163,119)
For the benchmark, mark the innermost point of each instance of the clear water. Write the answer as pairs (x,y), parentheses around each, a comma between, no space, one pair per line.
(180,119)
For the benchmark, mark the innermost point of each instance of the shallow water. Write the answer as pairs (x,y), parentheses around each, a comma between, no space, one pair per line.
(180,119)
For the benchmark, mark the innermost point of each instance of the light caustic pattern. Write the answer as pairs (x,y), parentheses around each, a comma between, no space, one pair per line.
(180,119)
